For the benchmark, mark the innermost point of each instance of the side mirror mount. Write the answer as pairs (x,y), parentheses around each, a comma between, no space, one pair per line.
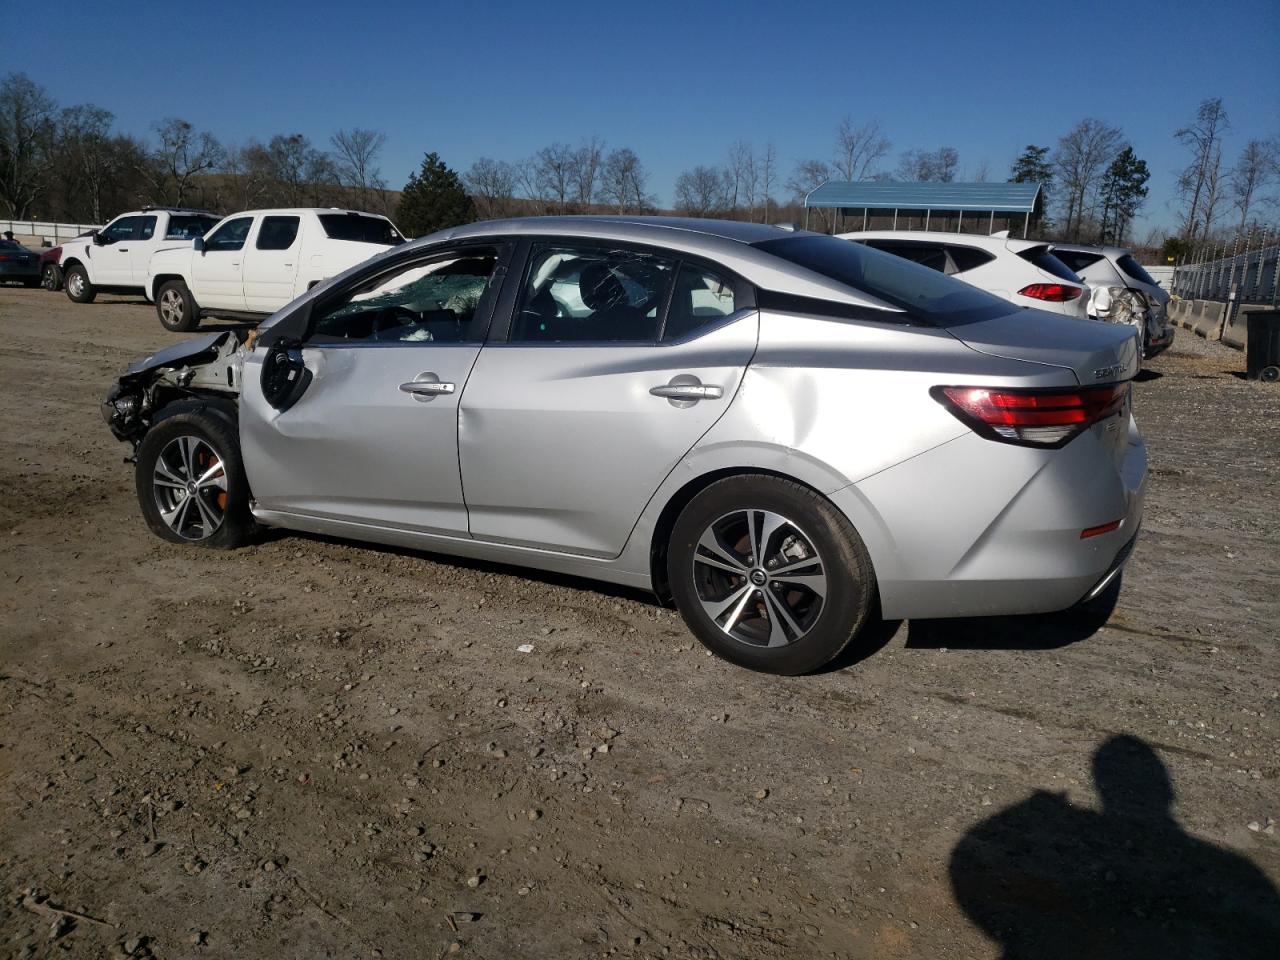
(198,245)
(96,237)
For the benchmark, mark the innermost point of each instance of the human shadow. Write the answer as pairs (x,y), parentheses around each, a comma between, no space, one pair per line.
(1047,631)
(1048,880)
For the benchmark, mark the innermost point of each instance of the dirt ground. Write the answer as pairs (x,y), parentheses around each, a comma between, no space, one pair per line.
(312,748)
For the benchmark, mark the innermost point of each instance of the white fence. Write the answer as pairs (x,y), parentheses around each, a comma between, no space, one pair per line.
(53,232)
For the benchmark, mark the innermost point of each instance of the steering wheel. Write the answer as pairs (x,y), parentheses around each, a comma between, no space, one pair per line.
(393,318)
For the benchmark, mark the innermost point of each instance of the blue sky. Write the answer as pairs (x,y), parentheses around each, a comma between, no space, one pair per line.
(677,82)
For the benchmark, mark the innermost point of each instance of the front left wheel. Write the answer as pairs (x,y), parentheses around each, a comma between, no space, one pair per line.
(191,483)
(769,574)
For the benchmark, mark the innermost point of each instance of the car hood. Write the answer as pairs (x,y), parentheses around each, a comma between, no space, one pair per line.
(1095,352)
(200,348)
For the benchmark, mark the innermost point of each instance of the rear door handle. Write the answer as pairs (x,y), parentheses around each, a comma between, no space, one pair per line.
(688,391)
(425,390)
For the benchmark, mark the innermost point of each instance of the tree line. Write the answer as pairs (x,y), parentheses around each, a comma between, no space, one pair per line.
(68,163)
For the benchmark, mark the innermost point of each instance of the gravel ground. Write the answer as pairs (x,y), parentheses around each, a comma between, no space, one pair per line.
(312,748)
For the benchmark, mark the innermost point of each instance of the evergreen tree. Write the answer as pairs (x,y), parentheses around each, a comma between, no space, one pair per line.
(1124,187)
(433,199)
(1032,166)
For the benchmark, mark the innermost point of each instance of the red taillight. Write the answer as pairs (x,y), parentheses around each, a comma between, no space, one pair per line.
(1052,292)
(1042,417)
(5,258)
(1098,531)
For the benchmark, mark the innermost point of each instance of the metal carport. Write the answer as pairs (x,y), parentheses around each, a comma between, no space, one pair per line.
(932,201)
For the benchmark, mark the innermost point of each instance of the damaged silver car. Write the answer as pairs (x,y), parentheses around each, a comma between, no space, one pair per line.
(783,433)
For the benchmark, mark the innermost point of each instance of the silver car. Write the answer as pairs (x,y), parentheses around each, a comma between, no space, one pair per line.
(1123,292)
(783,433)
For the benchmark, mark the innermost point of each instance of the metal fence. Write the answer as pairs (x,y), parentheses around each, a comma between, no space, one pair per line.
(55,232)
(1242,269)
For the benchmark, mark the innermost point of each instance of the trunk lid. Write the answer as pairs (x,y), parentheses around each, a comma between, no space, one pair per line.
(1095,352)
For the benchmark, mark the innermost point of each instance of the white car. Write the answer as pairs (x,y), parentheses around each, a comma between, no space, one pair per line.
(1024,272)
(115,258)
(255,262)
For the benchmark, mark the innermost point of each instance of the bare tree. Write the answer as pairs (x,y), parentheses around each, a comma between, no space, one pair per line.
(553,170)
(623,180)
(247,173)
(702,191)
(807,176)
(859,149)
(26,129)
(356,163)
(86,154)
(742,178)
(1257,168)
(184,153)
(982,172)
(493,187)
(929,165)
(584,172)
(768,177)
(1083,155)
(1204,139)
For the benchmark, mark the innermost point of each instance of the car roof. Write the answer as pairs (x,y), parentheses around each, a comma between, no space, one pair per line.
(620,227)
(297,210)
(983,240)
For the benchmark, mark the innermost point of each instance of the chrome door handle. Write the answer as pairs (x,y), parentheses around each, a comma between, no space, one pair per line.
(688,391)
(427,389)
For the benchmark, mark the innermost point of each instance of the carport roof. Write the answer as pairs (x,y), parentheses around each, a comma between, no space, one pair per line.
(882,195)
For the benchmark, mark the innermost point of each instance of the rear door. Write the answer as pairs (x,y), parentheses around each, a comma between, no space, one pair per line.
(141,248)
(270,262)
(617,360)
(217,280)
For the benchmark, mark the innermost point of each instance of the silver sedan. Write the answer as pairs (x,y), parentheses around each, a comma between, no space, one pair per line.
(783,433)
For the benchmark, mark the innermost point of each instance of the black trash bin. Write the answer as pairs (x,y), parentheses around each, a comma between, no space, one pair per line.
(1263,359)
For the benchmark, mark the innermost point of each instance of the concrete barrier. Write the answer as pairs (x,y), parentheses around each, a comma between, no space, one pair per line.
(1235,332)
(1208,319)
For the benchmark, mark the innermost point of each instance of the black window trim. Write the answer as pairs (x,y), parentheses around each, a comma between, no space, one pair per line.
(744,293)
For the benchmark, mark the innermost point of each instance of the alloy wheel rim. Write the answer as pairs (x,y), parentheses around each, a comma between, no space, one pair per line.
(48,280)
(759,578)
(171,307)
(190,486)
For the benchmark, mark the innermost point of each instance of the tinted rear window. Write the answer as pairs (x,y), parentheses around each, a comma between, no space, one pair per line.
(1049,263)
(969,258)
(1134,269)
(187,227)
(1077,259)
(924,293)
(926,254)
(348,226)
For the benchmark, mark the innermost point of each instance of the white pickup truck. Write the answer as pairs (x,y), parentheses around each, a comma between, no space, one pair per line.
(255,262)
(115,258)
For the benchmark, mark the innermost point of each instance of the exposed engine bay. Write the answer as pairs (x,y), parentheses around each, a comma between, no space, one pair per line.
(206,367)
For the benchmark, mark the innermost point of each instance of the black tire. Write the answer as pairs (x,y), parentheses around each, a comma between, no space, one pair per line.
(194,436)
(176,308)
(76,281)
(51,277)
(813,525)
(1269,374)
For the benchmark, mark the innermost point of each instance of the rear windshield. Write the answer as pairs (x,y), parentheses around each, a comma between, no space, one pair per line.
(351,226)
(1049,263)
(1134,269)
(1077,259)
(187,227)
(924,293)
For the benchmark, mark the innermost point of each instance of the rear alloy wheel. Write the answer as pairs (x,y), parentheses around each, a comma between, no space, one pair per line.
(769,575)
(191,484)
(176,307)
(51,277)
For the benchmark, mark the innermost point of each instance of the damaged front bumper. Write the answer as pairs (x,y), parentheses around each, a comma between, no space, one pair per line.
(203,367)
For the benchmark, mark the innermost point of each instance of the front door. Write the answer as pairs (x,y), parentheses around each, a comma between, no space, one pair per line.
(617,362)
(373,438)
(216,278)
(112,265)
(271,262)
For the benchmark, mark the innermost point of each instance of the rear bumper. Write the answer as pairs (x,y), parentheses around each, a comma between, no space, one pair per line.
(976,528)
